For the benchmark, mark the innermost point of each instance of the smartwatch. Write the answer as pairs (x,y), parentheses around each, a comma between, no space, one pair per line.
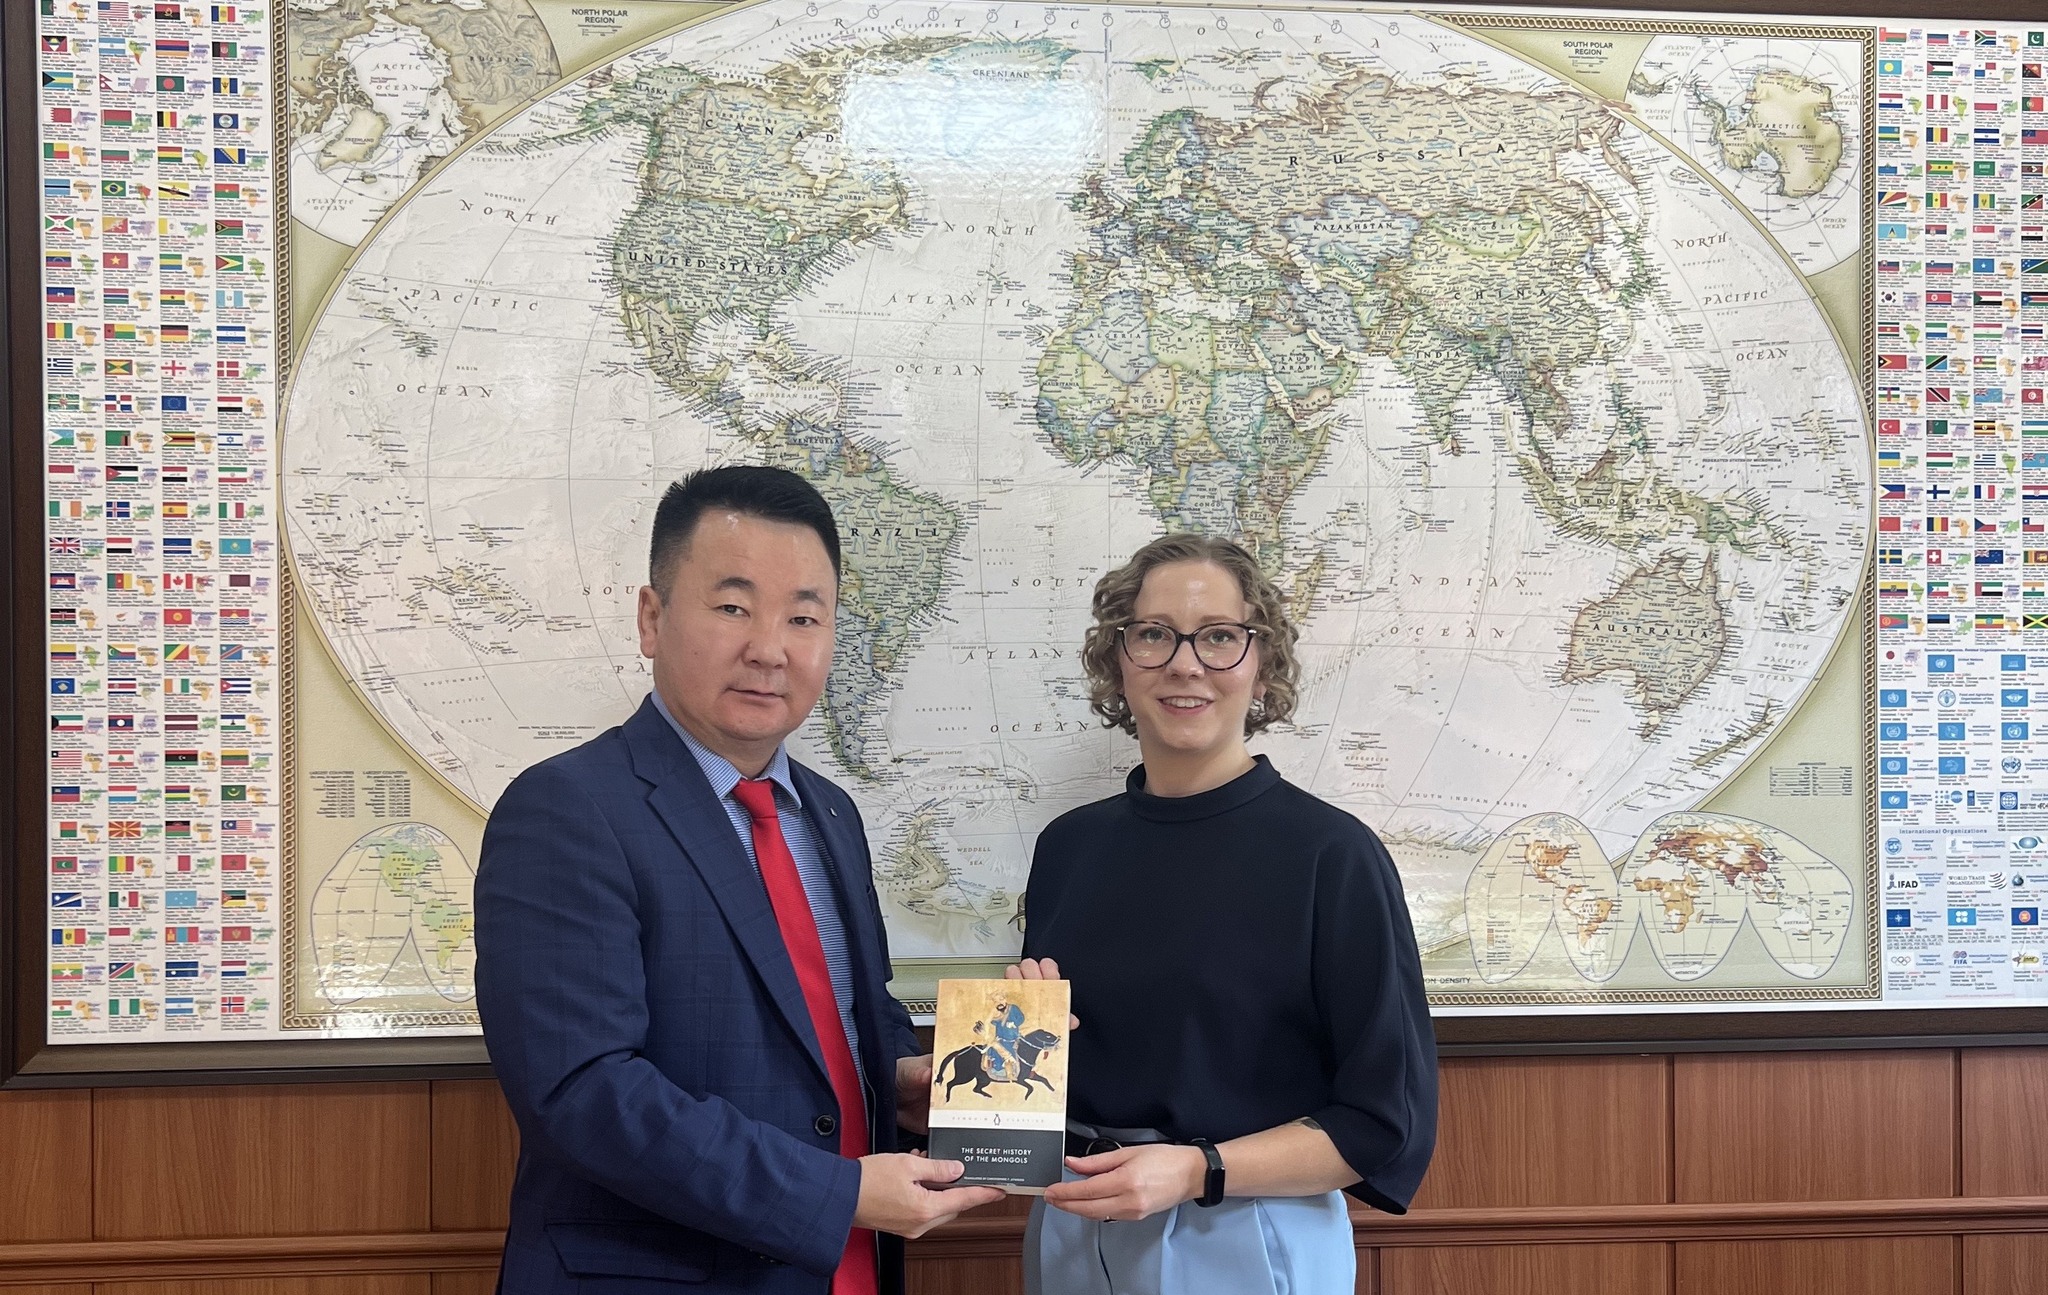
(1212,1180)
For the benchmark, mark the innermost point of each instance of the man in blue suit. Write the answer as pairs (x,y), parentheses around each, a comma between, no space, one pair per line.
(682,969)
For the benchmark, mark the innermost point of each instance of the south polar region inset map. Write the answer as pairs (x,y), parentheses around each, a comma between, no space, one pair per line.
(1548,444)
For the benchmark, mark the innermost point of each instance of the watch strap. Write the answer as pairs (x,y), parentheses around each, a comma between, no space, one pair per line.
(1212,1179)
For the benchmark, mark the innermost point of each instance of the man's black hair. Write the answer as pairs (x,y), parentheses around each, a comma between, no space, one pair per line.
(772,494)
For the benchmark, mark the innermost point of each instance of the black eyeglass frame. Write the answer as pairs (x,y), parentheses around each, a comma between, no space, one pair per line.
(1251,634)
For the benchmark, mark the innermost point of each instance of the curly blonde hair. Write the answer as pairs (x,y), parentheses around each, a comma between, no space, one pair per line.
(1116,601)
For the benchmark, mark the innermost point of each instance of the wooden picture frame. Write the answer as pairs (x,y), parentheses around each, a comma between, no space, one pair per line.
(27,1058)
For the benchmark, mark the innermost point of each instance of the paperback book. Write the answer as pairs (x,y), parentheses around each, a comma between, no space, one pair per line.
(999,1084)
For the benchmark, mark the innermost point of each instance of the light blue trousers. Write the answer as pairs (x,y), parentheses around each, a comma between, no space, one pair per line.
(1252,1245)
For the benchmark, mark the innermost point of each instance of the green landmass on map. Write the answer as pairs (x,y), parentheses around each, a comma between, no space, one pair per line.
(1239,275)
(730,226)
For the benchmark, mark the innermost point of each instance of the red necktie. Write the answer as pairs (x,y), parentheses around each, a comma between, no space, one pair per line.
(856,1273)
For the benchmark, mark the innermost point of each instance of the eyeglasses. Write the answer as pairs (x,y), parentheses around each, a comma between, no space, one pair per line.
(1150,645)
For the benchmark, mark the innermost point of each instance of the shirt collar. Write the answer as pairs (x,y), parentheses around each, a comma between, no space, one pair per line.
(719,770)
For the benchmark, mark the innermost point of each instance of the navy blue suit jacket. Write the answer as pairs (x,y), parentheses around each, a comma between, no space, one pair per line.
(652,1040)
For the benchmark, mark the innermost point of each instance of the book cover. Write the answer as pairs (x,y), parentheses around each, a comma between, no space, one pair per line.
(999,1082)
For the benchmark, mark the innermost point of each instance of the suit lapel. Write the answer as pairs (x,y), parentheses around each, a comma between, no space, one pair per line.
(682,798)
(848,855)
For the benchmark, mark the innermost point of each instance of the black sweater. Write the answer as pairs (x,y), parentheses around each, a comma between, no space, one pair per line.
(1239,959)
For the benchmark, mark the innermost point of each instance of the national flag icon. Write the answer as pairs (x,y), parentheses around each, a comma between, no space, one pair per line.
(124,830)
(170,85)
(69,937)
(67,723)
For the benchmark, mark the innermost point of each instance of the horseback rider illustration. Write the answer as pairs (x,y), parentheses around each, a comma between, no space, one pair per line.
(1000,1052)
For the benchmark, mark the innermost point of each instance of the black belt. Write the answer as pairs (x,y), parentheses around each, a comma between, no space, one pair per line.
(1095,1139)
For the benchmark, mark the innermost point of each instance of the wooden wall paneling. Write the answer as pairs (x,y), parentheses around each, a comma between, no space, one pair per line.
(76,1288)
(46,1166)
(261,1160)
(1551,1131)
(2005,1265)
(469,1283)
(1863,1266)
(976,1276)
(1805,1126)
(1634,1269)
(366,1284)
(2005,1122)
(476,1148)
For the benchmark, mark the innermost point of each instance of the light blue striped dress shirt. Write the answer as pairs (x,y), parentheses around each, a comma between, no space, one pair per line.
(801,837)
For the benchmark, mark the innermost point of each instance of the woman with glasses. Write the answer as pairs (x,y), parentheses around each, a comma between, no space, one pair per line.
(1254,1040)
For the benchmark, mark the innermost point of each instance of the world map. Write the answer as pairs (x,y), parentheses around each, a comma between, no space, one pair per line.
(1552,452)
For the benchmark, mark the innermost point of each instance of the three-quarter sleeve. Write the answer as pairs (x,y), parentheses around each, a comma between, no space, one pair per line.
(1375,1017)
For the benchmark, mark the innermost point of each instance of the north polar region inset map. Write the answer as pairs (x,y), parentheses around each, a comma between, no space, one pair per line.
(380,90)
(1560,466)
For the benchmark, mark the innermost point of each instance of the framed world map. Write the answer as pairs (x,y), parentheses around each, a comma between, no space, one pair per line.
(1546,363)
